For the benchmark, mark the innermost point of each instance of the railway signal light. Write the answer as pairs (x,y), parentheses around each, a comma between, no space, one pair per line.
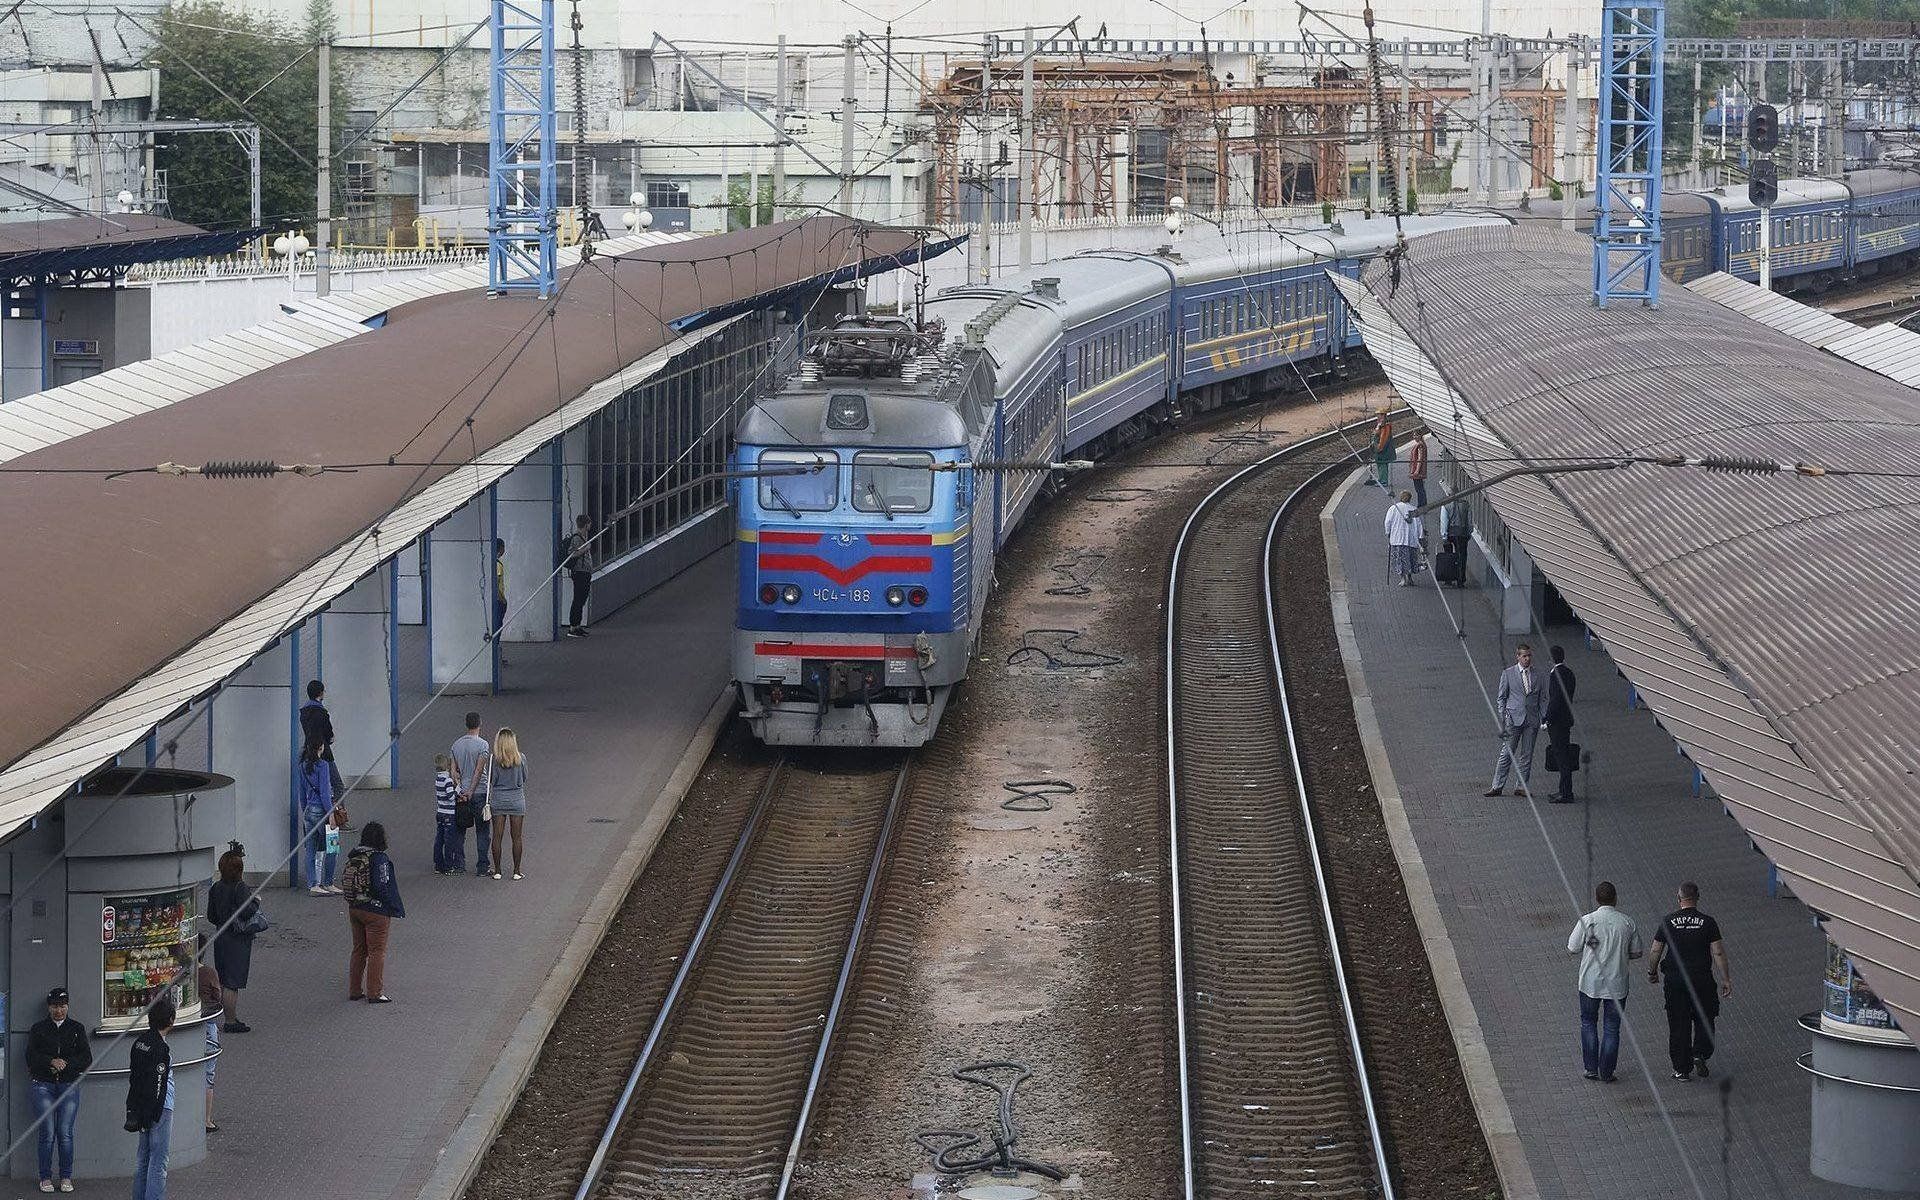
(1763,183)
(1763,127)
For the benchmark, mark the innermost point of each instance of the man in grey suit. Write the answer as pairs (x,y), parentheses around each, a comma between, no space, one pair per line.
(1522,704)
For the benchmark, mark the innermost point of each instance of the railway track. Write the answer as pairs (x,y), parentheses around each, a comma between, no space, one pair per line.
(1881,312)
(1274,1092)
(721,1092)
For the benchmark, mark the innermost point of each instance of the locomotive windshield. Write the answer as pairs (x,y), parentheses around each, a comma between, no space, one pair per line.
(893,483)
(810,490)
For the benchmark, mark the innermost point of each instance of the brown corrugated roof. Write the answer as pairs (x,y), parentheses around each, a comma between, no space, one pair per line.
(106,579)
(1771,620)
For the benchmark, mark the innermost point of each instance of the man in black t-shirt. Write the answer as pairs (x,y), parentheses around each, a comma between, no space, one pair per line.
(1688,940)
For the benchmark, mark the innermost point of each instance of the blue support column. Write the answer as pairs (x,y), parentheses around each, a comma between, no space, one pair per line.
(522,146)
(1626,228)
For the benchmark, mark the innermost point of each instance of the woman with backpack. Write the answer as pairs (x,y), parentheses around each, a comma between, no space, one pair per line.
(373,901)
(234,912)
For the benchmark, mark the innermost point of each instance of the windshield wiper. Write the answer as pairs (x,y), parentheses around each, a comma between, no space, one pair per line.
(874,495)
(782,501)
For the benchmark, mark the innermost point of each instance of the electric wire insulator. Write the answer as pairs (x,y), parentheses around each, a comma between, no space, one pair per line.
(245,468)
(1741,466)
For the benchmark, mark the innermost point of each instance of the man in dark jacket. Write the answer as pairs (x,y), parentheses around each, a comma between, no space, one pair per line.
(150,1102)
(58,1054)
(1559,722)
(316,723)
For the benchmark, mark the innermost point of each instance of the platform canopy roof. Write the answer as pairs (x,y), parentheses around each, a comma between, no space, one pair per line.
(1770,621)
(99,246)
(134,594)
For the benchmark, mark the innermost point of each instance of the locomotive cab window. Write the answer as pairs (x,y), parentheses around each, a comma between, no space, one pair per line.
(802,491)
(893,483)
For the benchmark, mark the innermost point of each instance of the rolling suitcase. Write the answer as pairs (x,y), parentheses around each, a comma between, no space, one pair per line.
(1449,566)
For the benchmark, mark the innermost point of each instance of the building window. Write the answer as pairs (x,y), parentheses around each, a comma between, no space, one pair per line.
(665,193)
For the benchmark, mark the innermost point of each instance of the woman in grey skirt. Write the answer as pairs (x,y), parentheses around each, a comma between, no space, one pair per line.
(507,797)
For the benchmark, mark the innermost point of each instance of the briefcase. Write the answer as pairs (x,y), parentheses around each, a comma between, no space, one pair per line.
(1573,757)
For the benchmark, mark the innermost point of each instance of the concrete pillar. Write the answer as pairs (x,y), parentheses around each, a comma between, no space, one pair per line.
(459,600)
(411,593)
(1516,598)
(529,517)
(22,346)
(1866,1087)
(254,718)
(357,662)
(1122,176)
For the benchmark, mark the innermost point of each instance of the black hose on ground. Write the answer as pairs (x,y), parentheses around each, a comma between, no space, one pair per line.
(944,1144)
(1035,795)
(1066,654)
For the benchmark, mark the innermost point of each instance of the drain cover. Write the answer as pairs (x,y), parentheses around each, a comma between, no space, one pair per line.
(603,820)
(997,1191)
(570,708)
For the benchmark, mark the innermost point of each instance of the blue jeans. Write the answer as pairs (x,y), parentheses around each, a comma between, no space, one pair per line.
(1600,1035)
(64,1100)
(150,1159)
(449,848)
(320,864)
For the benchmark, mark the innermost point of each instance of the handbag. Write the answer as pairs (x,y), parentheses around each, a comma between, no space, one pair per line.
(256,922)
(463,813)
(486,810)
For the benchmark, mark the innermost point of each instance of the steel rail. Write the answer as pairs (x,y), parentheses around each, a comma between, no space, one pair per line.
(1334,943)
(880,847)
(756,820)
(1171,706)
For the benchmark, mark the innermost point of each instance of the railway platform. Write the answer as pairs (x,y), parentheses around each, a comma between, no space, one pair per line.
(1510,877)
(331,1100)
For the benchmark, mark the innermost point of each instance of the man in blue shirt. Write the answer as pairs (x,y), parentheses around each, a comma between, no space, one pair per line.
(1604,939)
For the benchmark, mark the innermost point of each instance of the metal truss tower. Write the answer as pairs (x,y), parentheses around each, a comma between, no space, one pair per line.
(523,208)
(1626,227)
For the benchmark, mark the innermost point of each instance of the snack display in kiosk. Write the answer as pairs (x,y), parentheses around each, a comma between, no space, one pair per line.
(146,944)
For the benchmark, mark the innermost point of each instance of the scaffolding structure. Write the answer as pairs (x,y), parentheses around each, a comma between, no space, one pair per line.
(522,151)
(1116,136)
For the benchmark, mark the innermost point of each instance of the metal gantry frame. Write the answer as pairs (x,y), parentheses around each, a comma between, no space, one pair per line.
(1626,227)
(523,210)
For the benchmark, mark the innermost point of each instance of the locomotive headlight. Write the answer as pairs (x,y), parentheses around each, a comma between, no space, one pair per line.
(768,593)
(790,593)
(896,596)
(917,597)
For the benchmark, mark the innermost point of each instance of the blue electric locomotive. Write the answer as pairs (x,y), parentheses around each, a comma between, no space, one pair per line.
(878,485)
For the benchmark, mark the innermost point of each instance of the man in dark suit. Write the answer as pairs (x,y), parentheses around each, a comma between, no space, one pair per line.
(1559,722)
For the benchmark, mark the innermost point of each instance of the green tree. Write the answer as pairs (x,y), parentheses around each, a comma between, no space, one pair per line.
(252,60)
(737,214)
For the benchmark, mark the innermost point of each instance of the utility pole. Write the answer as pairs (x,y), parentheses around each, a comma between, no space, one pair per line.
(1836,107)
(1699,116)
(849,103)
(1407,173)
(1570,147)
(97,184)
(1482,112)
(323,244)
(986,159)
(1026,154)
(779,183)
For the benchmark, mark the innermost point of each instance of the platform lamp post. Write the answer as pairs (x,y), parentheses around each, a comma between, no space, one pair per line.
(636,218)
(290,246)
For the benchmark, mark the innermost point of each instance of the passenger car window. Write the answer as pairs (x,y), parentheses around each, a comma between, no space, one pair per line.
(802,491)
(892,482)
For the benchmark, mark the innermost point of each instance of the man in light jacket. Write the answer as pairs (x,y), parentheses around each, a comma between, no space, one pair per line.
(1605,939)
(1521,705)
(1403,537)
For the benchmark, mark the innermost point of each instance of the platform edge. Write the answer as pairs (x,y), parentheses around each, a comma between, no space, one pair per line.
(1476,1063)
(459,1160)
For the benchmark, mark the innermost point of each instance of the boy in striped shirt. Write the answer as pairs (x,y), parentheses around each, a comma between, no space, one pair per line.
(449,856)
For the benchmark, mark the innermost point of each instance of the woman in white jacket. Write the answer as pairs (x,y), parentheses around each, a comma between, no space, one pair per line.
(1403,537)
